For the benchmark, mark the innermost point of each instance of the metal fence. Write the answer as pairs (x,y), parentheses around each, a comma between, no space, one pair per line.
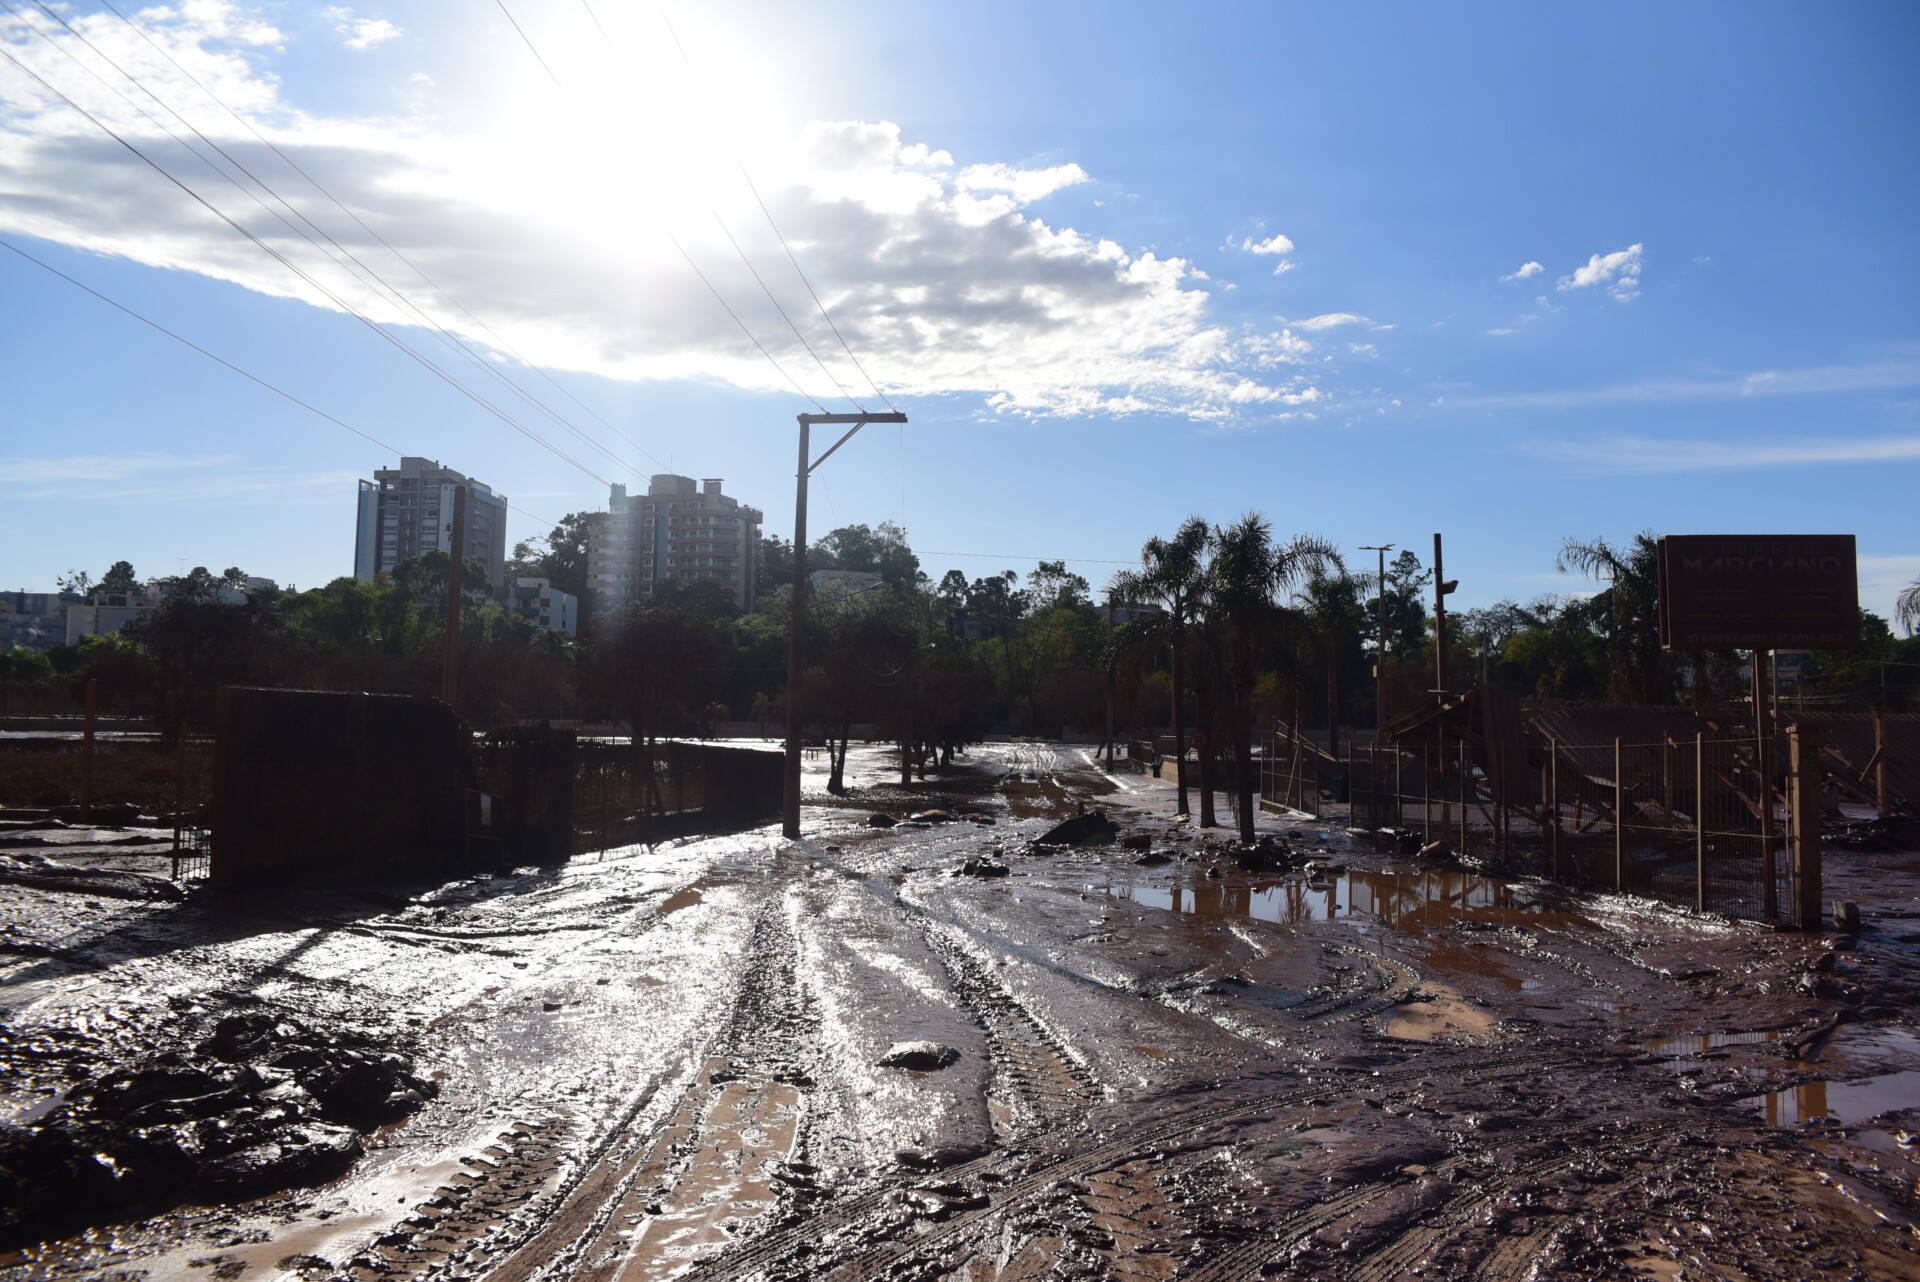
(1699,822)
(1293,773)
(624,794)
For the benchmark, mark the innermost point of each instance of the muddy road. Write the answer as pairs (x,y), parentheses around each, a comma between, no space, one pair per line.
(745,1058)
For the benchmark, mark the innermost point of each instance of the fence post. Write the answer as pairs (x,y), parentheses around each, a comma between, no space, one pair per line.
(179,791)
(1426,794)
(86,755)
(1763,767)
(1702,894)
(1803,751)
(1619,819)
(1553,801)
(1879,762)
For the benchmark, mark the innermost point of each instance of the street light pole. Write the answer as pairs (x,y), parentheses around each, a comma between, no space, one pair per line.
(1380,650)
(797,625)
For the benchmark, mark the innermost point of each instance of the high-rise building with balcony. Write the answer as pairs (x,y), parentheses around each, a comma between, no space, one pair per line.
(678,529)
(408,510)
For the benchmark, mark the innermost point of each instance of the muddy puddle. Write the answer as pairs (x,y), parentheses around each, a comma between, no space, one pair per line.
(1866,1073)
(1407,901)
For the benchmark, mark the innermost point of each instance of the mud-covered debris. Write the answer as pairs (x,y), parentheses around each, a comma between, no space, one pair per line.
(878,820)
(1215,872)
(1138,840)
(1323,870)
(938,1157)
(1436,850)
(1089,829)
(922,1057)
(263,1103)
(1153,859)
(932,817)
(1266,855)
(47,874)
(984,866)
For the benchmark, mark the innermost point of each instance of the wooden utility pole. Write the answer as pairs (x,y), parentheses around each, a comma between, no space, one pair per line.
(450,630)
(1803,755)
(797,620)
(1440,589)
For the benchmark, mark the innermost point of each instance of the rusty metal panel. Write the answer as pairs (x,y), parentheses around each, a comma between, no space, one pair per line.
(1759,592)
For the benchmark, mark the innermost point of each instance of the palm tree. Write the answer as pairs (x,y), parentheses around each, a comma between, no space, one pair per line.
(1171,576)
(1245,577)
(1907,608)
(1336,609)
(1637,667)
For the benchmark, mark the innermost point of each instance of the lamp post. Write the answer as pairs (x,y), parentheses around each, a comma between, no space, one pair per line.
(797,626)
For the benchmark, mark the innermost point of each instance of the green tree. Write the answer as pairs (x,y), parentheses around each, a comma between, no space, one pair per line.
(1637,668)
(772,564)
(1907,608)
(119,578)
(1245,577)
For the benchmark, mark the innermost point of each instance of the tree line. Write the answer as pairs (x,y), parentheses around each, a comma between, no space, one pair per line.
(1246,626)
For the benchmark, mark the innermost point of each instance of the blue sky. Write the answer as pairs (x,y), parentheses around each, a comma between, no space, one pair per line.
(1118,265)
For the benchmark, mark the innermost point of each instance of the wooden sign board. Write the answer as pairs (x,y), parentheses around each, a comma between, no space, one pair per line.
(1759,592)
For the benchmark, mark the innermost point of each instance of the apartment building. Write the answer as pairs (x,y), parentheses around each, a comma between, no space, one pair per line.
(539,601)
(678,529)
(407,510)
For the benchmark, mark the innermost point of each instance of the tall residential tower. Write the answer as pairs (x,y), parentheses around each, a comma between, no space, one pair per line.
(676,530)
(408,510)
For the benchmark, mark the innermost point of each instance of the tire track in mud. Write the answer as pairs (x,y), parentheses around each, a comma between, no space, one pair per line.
(1257,1258)
(1008,1179)
(1398,983)
(755,1063)
(1046,1085)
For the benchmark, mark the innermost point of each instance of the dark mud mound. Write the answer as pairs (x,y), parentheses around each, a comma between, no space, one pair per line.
(48,874)
(264,1103)
(1081,830)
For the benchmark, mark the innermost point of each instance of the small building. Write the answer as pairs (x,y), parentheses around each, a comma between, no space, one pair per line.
(108,613)
(34,620)
(544,604)
(842,583)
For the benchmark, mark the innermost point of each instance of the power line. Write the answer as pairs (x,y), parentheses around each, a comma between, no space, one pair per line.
(298,271)
(414,267)
(1008,556)
(694,73)
(531,48)
(221,360)
(452,341)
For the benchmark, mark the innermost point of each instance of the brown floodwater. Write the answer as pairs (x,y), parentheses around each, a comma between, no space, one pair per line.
(1410,901)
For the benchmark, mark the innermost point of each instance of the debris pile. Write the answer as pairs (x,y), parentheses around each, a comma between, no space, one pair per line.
(263,1104)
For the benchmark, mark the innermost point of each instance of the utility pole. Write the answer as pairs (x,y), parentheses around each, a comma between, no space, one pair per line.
(450,630)
(1442,588)
(797,625)
(1380,650)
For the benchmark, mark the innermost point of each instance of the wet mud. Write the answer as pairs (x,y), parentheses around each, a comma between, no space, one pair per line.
(1144,1053)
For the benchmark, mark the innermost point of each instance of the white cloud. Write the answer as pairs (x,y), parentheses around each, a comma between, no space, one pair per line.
(204,479)
(1502,332)
(1274,244)
(1284,266)
(938,274)
(1525,270)
(361,34)
(1875,376)
(1023,185)
(1645,456)
(1618,272)
(1331,320)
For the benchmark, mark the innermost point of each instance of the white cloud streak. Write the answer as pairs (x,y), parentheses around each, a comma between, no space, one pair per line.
(1649,456)
(1331,320)
(1525,270)
(938,273)
(1874,376)
(361,34)
(1274,244)
(1618,273)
